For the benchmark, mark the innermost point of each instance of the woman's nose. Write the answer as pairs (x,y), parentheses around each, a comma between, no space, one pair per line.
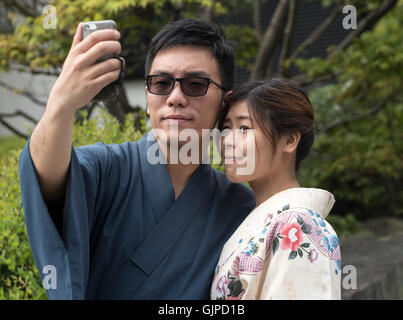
(228,143)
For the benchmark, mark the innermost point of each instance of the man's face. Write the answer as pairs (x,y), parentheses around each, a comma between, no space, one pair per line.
(176,108)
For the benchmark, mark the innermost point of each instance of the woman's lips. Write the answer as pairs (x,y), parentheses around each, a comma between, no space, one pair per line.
(232,160)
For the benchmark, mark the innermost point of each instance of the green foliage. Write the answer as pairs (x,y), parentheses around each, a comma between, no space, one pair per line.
(19,276)
(246,44)
(361,161)
(138,20)
(9,143)
(372,63)
(107,129)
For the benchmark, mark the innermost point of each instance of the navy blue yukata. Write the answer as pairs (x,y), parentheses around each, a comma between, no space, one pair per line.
(120,232)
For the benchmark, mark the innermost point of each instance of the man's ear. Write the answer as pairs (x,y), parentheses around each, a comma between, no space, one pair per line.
(228,93)
(225,96)
(290,142)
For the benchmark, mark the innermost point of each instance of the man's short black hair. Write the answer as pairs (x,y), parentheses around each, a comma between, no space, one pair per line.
(195,33)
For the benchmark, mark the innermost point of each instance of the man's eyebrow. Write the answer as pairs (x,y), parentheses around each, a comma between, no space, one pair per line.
(162,73)
(197,73)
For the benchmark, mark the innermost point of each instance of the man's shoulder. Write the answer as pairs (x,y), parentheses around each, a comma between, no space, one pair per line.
(101,151)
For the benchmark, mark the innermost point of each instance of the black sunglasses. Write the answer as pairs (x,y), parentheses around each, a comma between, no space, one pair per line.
(191,86)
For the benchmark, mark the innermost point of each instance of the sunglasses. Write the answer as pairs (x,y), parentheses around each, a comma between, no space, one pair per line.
(191,86)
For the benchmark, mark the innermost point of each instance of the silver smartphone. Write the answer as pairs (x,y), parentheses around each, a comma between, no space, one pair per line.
(111,91)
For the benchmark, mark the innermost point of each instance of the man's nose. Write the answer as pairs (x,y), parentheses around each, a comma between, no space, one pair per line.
(177,97)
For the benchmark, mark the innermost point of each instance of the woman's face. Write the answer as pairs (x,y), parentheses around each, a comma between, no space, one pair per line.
(246,151)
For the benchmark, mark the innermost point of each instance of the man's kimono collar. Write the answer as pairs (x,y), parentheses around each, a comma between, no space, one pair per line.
(158,182)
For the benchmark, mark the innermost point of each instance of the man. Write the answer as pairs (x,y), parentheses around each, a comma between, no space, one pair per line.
(128,228)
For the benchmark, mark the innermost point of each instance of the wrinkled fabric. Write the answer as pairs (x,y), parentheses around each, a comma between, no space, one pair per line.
(123,234)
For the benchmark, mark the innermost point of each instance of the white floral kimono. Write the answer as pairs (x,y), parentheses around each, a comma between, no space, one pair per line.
(284,249)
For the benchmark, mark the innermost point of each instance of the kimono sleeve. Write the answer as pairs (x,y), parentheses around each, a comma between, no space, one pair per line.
(304,259)
(66,255)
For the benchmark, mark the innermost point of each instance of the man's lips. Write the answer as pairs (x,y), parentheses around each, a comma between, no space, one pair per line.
(176,117)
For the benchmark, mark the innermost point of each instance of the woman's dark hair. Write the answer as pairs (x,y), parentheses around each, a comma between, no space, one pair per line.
(279,107)
(195,33)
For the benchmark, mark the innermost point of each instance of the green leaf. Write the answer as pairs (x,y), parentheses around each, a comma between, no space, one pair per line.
(300,221)
(235,287)
(305,245)
(293,255)
(276,244)
(306,229)
(300,252)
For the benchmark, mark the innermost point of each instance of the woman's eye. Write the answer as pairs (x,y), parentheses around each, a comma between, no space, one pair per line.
(244,128)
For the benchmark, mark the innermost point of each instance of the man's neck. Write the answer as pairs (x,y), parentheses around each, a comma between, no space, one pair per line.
(180,175)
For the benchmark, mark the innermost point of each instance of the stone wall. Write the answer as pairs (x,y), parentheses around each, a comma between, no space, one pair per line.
(378,260)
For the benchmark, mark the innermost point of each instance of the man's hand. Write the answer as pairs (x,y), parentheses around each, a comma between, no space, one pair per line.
(82,77)
(80,80)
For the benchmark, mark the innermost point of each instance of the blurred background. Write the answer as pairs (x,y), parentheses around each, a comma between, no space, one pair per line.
(347,55)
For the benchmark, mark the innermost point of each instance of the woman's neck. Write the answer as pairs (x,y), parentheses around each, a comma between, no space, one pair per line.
(267,187)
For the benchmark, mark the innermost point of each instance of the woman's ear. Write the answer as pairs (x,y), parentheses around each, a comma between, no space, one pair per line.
(290,142)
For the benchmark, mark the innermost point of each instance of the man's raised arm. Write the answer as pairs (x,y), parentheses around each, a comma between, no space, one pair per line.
(80,80)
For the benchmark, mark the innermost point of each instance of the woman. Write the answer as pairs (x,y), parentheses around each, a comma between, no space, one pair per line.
(284,249)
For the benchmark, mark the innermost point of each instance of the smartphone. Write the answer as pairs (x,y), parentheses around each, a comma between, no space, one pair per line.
(111,91)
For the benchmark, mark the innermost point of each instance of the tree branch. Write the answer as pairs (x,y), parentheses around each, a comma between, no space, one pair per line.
(16,114)
(34,71)
(18,133)
(365,24)
(26,94)
(371,112)
(270,41)
(256,19)
(209,12)
(315,34)
(23,8)
(288,33)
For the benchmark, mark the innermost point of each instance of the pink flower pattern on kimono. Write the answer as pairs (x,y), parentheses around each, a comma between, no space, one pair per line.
(222,286)
(291,236)
(229,286)
(299,233)
(313,255)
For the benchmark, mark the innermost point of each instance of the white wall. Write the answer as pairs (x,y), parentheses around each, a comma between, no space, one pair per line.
(40,86)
